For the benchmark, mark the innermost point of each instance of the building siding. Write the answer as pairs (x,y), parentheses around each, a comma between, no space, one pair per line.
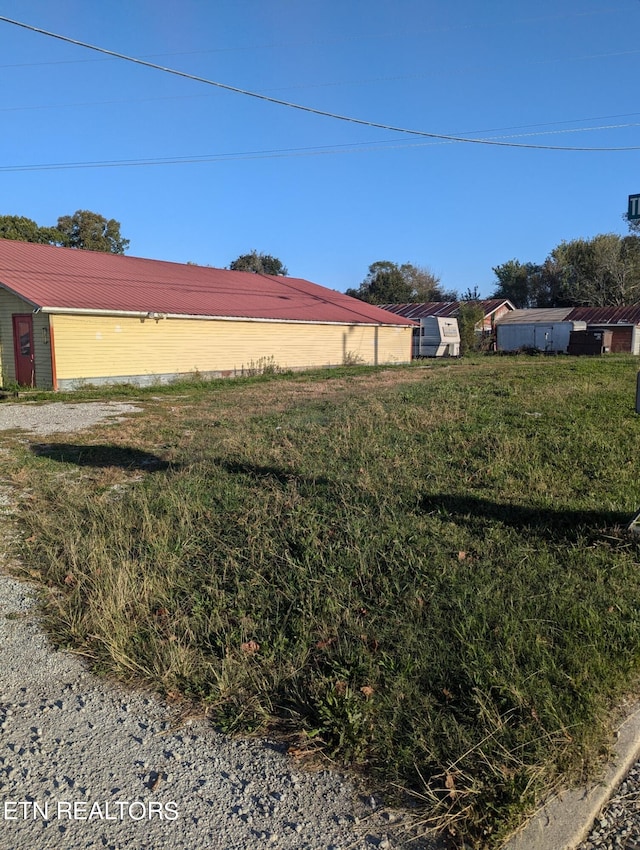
(489,324)
(113,348)
(10,305)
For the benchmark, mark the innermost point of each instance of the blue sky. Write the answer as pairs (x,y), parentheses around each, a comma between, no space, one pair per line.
(325,196)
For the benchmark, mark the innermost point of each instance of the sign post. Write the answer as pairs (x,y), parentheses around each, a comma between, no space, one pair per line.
(633,214)
(634,525)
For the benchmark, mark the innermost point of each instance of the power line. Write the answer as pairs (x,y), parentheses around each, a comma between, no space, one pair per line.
(300,107)
(132,100)
(277,153)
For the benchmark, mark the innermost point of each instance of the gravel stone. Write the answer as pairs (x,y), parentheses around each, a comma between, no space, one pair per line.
(61,417)
(618,827)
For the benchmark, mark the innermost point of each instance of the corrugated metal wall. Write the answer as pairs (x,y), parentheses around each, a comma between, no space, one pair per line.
(553,336)
(100,348)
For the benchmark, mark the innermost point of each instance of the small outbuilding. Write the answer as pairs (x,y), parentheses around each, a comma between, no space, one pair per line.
(553,329)
(623,323)
(69,317)
(541,329)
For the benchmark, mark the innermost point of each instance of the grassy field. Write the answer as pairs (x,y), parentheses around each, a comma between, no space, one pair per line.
(420,571)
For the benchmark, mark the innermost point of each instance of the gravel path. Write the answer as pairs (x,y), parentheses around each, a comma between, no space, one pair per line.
(618,827)
(87,764)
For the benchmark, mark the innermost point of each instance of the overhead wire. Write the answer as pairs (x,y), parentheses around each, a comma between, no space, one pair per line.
(131,100)
(277,153)
(309,109)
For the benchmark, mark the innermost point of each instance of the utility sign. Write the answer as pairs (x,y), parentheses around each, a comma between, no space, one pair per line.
(634,208)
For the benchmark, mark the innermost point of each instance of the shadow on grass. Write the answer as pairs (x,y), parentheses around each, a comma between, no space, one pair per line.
(559,523)
(100,456)
(273,473)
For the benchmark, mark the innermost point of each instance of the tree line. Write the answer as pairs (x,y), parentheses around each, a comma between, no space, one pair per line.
(603,271)
(83,229)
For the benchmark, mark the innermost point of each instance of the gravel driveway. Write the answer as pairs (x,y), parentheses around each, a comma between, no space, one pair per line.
(61,417)
(85,763)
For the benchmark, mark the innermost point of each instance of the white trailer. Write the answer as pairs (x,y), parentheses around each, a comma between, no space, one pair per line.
(436,337)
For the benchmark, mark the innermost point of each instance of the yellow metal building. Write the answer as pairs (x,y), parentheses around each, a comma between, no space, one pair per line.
(70,317)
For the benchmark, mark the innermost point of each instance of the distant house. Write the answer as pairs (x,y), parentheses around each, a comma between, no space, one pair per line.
(550,329)
(69,316)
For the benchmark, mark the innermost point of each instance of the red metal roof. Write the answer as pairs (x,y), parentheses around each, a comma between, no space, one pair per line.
(606,315)
(446,309)
(421,311)
(60,279)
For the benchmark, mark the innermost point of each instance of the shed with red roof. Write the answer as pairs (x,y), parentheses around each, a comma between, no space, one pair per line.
(69,317)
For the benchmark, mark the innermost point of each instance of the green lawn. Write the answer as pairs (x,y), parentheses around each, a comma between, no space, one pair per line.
(423,571)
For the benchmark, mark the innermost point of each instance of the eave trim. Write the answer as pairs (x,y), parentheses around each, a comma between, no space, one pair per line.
(153,314)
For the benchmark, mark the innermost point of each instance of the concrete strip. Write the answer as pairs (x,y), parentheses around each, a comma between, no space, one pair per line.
(567,818)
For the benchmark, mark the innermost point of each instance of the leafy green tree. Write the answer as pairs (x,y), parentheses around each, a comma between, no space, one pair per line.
(384,284)
(425,285)
(601,272)
(470,313)
(516,282)
(22,229)
(259,264)
(83,229)
(634,226)
(389,283)
(92,232)
(547,286)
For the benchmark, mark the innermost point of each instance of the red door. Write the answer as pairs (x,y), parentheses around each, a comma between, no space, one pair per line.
(23,349)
